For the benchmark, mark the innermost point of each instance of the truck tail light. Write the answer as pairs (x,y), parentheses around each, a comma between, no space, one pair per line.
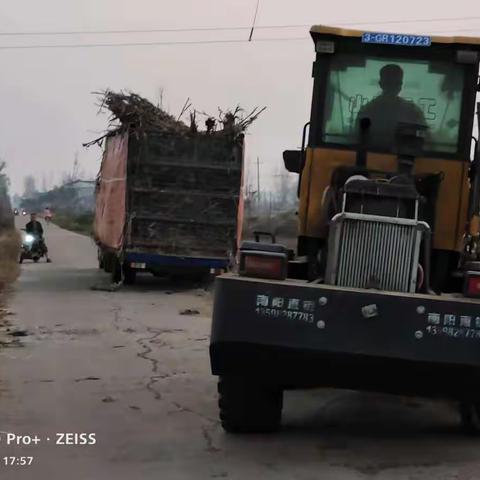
(215,272)
(138,266)
(472,284)
(263,264)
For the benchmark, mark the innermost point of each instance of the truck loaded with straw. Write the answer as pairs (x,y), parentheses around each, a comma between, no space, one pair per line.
(168,196)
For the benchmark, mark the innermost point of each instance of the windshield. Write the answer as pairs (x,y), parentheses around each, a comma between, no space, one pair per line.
(389,92)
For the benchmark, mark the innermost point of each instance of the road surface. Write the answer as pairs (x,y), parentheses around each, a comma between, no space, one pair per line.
(129,368)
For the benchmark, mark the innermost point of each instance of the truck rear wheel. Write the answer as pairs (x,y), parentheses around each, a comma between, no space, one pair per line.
(116,273)
(247,406)
(101,260)
(108,259)
(470,416)
(129,274)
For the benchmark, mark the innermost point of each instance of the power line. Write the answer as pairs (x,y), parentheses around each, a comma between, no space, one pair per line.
(418,20)
(207,42)
(228,28)
(146,44)
(455,31)
(176,43)
(137,31)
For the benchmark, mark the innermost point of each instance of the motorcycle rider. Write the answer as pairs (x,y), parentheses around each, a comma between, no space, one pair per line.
(34,227)
(47,214)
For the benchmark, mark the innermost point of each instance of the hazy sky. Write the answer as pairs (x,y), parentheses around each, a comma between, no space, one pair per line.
(48,109)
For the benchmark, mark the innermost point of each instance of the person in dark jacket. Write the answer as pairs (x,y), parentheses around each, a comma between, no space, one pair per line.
(386,111)
(34,227)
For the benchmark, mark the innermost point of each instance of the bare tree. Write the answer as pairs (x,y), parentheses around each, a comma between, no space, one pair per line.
(30,188)
(4,182)
(285,191)
(6,217)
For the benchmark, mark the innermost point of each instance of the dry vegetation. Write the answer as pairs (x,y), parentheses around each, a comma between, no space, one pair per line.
(9,252)
(127,110)
(76,223)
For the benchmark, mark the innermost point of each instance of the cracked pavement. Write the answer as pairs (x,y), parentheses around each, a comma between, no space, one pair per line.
(127,366)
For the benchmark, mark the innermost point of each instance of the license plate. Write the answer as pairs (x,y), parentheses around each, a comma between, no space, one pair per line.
(138,266)
(397,39)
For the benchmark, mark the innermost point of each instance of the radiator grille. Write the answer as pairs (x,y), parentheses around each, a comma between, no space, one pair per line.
(377,254)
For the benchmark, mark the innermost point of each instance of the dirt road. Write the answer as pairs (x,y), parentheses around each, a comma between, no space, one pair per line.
(129,368)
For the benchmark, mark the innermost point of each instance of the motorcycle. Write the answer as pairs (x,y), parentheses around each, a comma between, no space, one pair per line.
(33,248)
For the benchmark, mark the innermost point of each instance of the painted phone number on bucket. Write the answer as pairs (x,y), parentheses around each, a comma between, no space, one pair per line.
(277,313)
(453,332)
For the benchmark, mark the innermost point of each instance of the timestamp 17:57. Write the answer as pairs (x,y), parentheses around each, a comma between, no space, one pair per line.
(17,461)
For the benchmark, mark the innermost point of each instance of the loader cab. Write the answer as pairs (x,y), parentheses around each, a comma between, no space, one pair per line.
(386,105)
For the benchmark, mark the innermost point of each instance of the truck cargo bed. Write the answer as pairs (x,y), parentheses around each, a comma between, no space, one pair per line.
(183,194)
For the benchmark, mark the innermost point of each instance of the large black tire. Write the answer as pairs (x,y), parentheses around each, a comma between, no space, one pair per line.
(470,417)
(247,406)
(129,275)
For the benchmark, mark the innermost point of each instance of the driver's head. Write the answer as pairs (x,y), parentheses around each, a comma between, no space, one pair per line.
(33,217)
(391,79)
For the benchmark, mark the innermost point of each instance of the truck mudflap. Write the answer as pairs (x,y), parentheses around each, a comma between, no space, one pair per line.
(295,330)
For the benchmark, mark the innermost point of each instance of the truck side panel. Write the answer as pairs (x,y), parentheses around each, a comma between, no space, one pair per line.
(109,225)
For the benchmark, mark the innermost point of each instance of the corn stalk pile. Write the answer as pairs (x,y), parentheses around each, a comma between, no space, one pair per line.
(183,181)
(131,111)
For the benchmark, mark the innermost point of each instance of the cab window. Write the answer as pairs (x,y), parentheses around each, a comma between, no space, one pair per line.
(389,92)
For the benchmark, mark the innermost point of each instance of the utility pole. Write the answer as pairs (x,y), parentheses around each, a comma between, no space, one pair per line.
(258,193)
(258,176)
(160,98)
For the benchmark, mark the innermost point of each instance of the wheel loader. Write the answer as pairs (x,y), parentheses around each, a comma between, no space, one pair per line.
(383,291)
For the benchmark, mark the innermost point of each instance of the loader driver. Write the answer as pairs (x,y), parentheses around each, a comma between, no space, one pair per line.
(387,110)
(377,122)
(34,227)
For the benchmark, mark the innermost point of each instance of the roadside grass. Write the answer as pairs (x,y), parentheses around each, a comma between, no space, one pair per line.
(76,223)
(9,254)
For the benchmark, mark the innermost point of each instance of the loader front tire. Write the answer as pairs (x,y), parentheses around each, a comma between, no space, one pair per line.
(470,417)
(247,406)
